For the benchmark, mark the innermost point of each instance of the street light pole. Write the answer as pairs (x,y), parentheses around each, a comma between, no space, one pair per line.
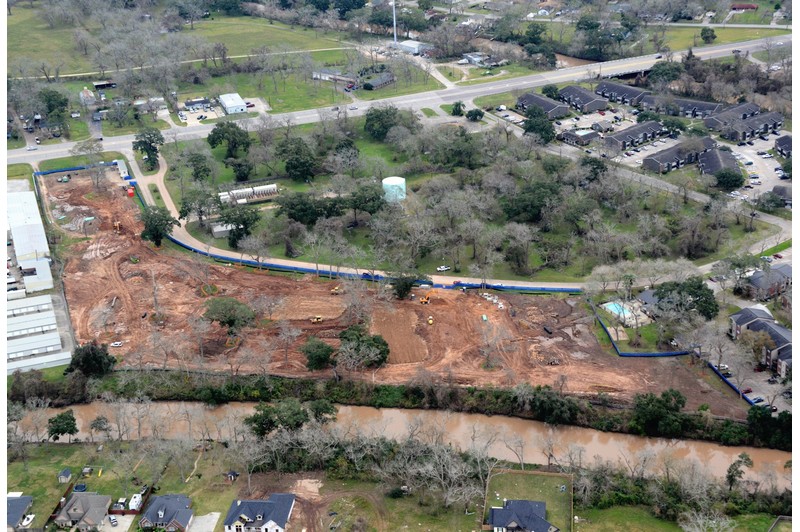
(394,20)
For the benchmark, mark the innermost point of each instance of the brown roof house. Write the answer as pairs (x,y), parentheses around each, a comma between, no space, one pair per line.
(85,511)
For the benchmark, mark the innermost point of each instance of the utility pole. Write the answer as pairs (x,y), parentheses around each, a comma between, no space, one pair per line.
(394,20)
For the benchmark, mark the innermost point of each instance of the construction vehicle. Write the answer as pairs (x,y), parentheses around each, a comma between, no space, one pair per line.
(316,319)
(426,298)
(116,227)
(430,320)
(336,290)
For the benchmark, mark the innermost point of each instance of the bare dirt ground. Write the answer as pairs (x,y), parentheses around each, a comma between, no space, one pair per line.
(116,284)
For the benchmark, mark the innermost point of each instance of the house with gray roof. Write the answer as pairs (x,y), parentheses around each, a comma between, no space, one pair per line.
(760,124)
(270,515)
(602,126)
(619,92)
(168,512)
(670,105)
(64,475)
(783,145)
(581,99)
(677,156)
(578,137)
(85,511)
(552,108)
(712,161)
(785,194)
(518,515)
(739,321)
(16,508)
(634,135)
(738,112)
(765,284)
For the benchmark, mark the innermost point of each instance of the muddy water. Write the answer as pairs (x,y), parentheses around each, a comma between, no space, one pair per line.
(177,420)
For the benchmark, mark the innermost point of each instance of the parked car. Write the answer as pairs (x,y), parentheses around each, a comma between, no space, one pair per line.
(758,399)
(772,380)
(749,142)
(113,520)
(249,105)
(443,268)
(38,140)
(201,117)
(722,367)
(747,390)
(767,259)
(727,374)
(602,113)
(353,107)
(558,122)
(116,344)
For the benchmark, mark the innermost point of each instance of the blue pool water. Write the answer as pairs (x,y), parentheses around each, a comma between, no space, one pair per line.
(618,309)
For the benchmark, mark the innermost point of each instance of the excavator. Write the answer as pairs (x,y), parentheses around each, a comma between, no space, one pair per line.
(316,319)
(335,291)
(426,299)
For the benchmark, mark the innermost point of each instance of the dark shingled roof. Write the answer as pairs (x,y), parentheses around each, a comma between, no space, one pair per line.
(678,151)
(546,104)
(784,142)
(16,508)
(685,104)
(779,334)
(713,161)
(651,126)
(620,89)
(521,515)
(750,314)
(276,509)
(174,506)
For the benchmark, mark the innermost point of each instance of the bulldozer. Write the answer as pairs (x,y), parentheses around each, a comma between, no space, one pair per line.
(426,298)
(316,319)
(336,290)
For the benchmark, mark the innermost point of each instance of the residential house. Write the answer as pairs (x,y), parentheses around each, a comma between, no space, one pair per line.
(168,512)
(581,99)
(738,112)
(16,508)
(778,358)
(765,284)
(634,135)
(64,475)
(496,6)
(602,126)
(552,108)
(271,515)
(578,137)
(414,47)
(649,302)
(476,58)
(754,126)
(196,103)
(744,7)
(619,92)
(677,156)
(783,145)
(380,80)
(328,74)
(518,516)
(85,511)
(740,321)
(784,192)
(714,160)
(670,105)
(87,97)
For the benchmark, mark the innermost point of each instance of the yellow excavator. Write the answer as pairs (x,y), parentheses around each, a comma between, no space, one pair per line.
(316,319)
(426,298)
(336,290)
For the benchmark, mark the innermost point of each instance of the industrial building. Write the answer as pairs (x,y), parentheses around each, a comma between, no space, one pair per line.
(27,232)
(232,103)
(32,337)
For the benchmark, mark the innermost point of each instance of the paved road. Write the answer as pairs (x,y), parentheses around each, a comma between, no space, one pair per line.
(415,101)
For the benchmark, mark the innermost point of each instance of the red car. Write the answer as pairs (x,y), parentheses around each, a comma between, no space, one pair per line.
(250,105)
(747,390)
(778,256)
(602,113)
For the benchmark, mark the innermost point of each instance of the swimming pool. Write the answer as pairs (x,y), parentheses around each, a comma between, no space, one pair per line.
(618,309)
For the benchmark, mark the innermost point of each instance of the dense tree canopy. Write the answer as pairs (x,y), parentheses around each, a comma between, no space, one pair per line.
(158,223)
(229,313)
(232,134)
(91,359)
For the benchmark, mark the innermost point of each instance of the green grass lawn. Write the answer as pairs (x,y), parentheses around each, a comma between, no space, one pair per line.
(177,120)
(367,501)
(762,15)
(678,38)
(68,162)
(479,75)
(54,374)
(206,488)
(143,164)
(78,130)
(19,171)
(418,83)
(628,518)
(111,129)
(15,144)
(535,487)
(430,113)
(154,190)
(508,99)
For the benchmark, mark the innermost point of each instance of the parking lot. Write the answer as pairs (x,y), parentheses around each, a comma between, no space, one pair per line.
(764,168)
(192,117)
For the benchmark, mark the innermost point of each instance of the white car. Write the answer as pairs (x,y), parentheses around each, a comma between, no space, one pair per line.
(116,344)
(32,148)
(443,268)
(353,107)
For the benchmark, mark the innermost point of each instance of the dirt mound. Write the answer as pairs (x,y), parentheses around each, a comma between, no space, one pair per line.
(120,289)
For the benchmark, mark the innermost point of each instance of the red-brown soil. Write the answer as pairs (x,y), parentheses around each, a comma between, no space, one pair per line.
(509,347)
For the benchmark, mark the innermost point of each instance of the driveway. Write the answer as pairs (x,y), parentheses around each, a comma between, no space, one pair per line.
(204,523)
(125,522)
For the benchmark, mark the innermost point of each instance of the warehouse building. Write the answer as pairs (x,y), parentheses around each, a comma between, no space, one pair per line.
(232,103)
(27,231)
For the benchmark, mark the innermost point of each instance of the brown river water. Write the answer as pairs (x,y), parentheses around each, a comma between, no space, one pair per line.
(173,420)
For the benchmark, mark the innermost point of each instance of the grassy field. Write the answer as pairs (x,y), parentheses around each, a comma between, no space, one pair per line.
(15,144)
(535,487)
(110,129)
(478,75)
(402,87)
(430,113)
(367,501)
(628,518)
(19,171)
(78,130)
(68,162)
(55,374)
(37,478)
(678,38)
(763,15)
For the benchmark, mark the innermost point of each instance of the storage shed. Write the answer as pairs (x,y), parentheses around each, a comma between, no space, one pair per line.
(394,189)
(414,47)
(232,103)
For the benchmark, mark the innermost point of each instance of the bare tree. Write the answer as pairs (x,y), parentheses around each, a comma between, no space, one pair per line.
(287,335)
(516,445)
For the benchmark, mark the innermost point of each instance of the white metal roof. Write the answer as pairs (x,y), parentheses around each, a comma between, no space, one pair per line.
(231,100)
(26,227)
(28,304)
(17,325)
(42,343)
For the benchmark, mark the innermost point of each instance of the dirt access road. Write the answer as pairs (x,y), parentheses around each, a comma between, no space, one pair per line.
(116,283)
